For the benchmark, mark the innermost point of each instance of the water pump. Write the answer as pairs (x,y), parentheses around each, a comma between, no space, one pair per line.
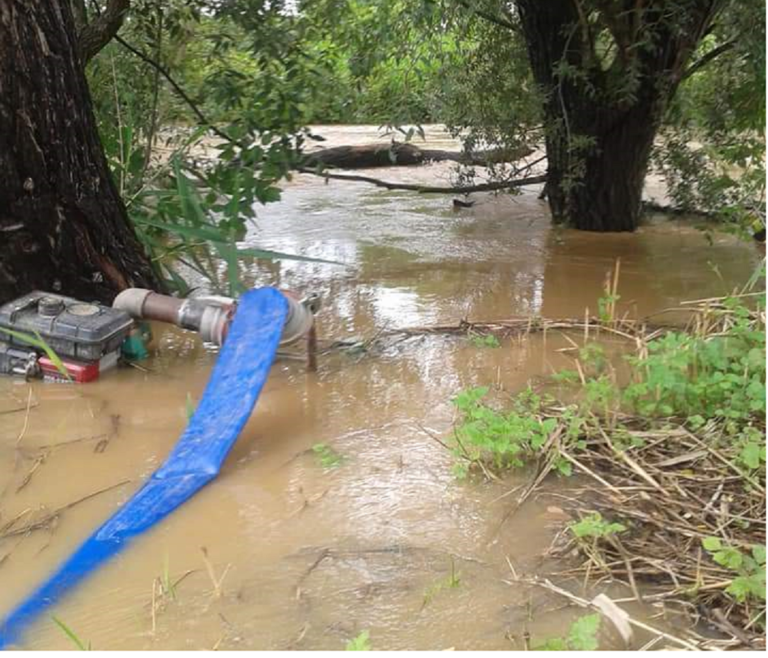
(88,339)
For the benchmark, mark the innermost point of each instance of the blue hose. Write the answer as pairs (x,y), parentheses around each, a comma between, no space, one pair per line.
(233,388)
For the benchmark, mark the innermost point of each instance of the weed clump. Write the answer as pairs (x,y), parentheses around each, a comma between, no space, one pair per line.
(674,458)
(489,440)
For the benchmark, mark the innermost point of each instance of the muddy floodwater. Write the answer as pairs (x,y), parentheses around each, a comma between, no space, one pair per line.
(311,548)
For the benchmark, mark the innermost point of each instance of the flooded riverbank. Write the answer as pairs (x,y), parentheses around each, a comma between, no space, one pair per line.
(316,550)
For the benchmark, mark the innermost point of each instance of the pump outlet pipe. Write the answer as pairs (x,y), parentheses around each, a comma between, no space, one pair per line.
(238,376)
(211,316)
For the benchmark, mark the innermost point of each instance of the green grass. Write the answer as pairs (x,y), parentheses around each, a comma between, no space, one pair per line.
(327,456)
(360,643)
(80,644)
(38,342)
(489,340)
(452,581)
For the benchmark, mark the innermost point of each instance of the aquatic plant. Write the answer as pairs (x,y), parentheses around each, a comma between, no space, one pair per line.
(361,642)
(489,340)
(80,644)
(327,456)
(491,440)
(451,581)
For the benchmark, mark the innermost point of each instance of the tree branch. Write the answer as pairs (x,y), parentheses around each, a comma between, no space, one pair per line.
(428,189)
(707,58)
(80,15)
(176,87)
(609,16)
(487,16)
(100,31)
(587,36)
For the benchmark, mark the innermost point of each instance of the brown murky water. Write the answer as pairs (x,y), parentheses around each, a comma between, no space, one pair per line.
(314,555)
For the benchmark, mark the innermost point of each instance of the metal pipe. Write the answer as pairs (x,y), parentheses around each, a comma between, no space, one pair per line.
(210,316)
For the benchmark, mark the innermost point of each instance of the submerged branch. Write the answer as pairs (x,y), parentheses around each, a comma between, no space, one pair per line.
(430,189)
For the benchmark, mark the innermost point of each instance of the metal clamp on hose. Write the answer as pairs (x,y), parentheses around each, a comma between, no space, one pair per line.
(301,316)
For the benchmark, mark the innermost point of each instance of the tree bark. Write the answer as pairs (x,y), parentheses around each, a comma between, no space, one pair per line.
(63,225)
(599,142)
(93,36)
(600,187)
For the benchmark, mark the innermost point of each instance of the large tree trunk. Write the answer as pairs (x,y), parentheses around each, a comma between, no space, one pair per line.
(63,226)
(599,187)
(598,141)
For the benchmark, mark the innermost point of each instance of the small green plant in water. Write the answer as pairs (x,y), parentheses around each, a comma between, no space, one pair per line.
(749,583)
(595,526)
(83,646)
(606,307)
(582,636)
(169,589)
(452,581)
(189,406)
(487,438)
(593,355)
(360,643)
(591,531)
(328,457)
(700,377)
(489,340)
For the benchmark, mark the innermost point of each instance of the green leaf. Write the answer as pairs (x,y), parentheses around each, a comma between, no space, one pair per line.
(189,406)
(564,467)
(752,454)
(729,557)
(328,457)
(204,232)
(595,526)
(280,255)
(38,342)
(744,587)
(190,201)
(555,644)
(711,544)
(71,635)
(583,633)
(360,643)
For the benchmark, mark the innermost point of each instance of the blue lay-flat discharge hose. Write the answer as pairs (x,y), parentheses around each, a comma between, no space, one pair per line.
(229,397)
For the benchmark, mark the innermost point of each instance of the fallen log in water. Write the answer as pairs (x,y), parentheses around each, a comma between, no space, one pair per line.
(398,154)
